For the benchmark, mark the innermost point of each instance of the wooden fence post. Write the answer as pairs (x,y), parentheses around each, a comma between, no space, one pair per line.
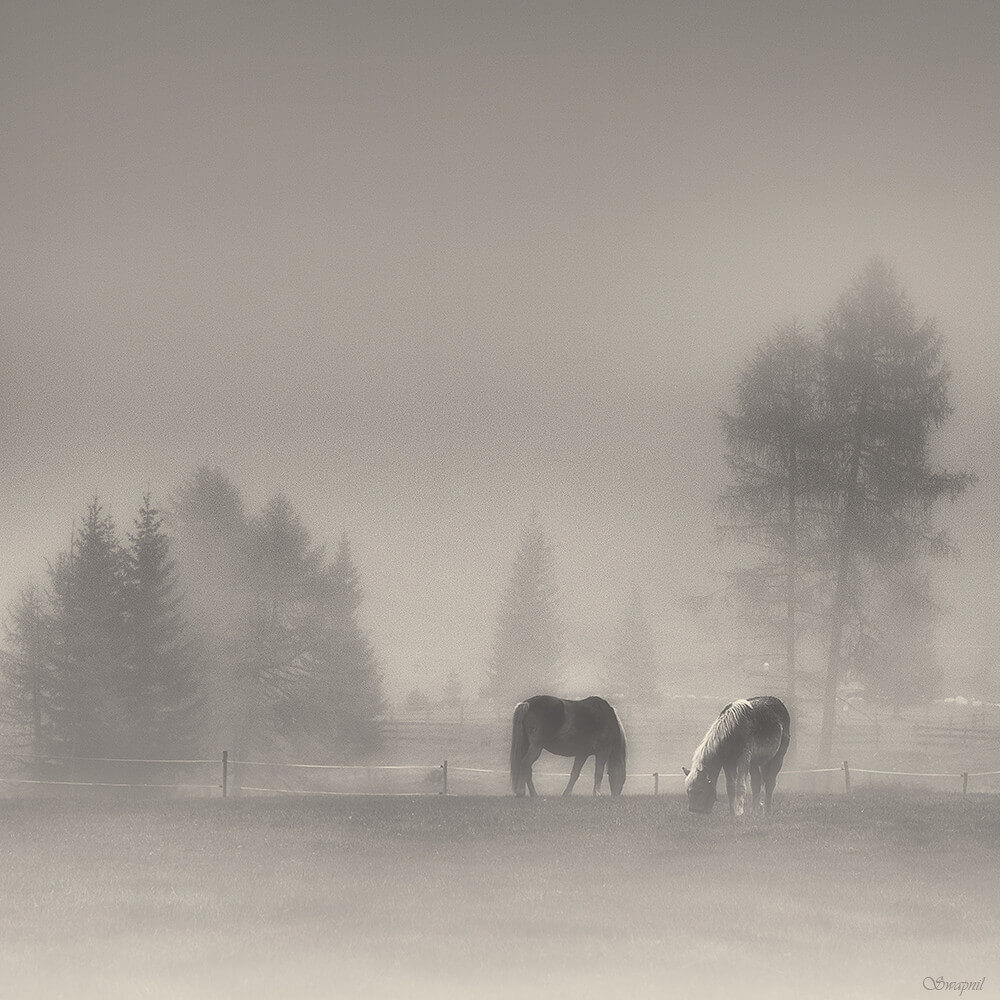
(847,778)
(656,782)
(444,778)
(225,773)
(965,782)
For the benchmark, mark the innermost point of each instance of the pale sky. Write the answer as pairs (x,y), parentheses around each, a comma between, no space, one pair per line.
(425,266)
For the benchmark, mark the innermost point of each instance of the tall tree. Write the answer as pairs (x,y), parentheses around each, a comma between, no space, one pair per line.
(164,701)
(208,522)
(284,571)
(528,642)
(886,391)
(774,457)
(632,668)
(894,650)
(27,672)
(89,630)
(347,675)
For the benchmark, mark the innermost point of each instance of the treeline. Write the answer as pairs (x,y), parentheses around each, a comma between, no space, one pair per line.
(833,490)
(203,628)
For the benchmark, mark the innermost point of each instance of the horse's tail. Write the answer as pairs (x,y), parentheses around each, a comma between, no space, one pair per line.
(518,748)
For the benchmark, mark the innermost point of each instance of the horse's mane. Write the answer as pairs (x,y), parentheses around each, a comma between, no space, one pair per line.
(729,720)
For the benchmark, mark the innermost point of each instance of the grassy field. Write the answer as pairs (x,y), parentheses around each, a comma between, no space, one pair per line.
(490,897)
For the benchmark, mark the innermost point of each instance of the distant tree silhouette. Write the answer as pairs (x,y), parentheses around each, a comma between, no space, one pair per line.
(632,670)
(528,642)
(885,392)
(27,681)
(164,699)
(776,466)
(89,641)
(208,523)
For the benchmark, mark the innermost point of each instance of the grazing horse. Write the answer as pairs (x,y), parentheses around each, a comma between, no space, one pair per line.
(569,729)
(748,740)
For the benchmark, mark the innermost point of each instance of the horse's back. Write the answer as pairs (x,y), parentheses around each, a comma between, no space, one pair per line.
(768,705)
(546,714)
(772,724)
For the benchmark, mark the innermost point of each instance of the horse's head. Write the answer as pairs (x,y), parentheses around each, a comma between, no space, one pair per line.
(700,790)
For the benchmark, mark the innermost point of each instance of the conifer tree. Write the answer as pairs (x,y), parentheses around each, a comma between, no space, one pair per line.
(27,672)
(528,642)
(90,640)
(284,570)
(632,668)
(208,523)
(346,681)
(776,463)
(886,391)
(164,702)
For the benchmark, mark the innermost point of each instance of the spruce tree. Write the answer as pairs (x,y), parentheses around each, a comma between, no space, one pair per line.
(27,687)
(346,680)
(207,521)
(775,468)
(90,641)
(528,642)
(886,391)
(632,670)
(275,655)
(164,701)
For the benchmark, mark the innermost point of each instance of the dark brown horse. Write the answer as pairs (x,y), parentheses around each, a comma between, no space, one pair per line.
(748,740)
(576,729)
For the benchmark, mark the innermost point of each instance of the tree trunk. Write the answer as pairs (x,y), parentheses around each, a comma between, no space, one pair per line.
(844,558)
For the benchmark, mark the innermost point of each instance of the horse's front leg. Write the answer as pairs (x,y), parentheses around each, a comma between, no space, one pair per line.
(575,773)
(755,782)
(731,787)
(743,770)
(600,762)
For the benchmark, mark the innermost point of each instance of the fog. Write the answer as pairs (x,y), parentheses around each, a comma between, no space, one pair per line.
(425,268)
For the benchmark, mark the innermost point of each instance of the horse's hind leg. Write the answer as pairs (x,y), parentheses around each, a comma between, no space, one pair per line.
(600,762)
(529,759)
(771,769)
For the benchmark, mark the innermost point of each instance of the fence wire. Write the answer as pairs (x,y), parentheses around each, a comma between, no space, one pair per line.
(438,772)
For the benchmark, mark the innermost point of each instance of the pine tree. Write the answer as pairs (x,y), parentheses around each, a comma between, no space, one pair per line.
(886,391)
(632,668)
(284,569)
(775,460)
(347,672)
(90,641)
(27,672)
(894,651)
(208,523)
(528,643)
(164,702)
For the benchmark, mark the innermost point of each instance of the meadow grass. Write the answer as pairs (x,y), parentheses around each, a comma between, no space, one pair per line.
(464,896)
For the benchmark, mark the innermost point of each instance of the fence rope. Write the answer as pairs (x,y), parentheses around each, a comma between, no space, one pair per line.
(101,784)
(907,774)
(110,760)
(454,769)
(308,791)
(815,770)
(338,767)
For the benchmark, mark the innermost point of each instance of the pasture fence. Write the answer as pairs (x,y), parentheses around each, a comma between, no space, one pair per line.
(299,778)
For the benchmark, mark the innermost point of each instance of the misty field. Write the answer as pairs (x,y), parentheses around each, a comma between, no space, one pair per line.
(491,897)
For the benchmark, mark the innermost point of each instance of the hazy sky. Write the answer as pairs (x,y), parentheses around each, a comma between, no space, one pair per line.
(424,266)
